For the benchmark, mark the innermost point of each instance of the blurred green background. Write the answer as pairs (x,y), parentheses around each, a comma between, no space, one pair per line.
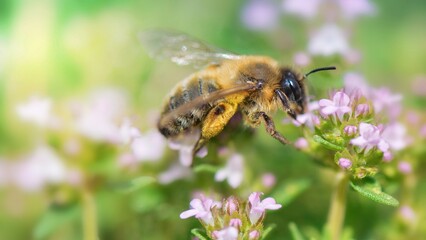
(67,49)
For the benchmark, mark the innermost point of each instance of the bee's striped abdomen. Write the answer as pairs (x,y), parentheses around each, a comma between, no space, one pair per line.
(184,93)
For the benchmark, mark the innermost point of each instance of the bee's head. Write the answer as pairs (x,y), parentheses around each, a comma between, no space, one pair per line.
(292,91)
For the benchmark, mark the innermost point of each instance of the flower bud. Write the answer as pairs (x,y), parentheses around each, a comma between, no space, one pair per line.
(231,205)
(253,235)
(236,223)
(350,130)
(345,163)
(226,233)
(362,109)
(316,120)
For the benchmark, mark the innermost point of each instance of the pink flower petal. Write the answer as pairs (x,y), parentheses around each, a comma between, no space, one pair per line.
(359,141)
(383,146)
(188,213)
(196,204)
(325,103)
(254,198)
(341,99)
(255,215)
(270,203)
(329,110)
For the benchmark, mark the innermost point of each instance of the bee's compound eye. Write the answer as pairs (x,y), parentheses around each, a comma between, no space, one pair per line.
(291,87)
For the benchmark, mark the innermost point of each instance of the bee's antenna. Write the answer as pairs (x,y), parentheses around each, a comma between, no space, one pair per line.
(320,69)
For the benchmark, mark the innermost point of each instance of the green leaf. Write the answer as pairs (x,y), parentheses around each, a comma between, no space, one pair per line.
(199,233)
(205,168)
(134,184)
(54,218)
(295,233)
(267,231)
(372,190)
(327,144)
(288,191)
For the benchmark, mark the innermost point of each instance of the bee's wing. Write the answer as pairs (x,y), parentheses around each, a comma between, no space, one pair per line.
(206,99)
(182,49)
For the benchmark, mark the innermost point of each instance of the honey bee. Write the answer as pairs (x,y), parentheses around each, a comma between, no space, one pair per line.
(255,86)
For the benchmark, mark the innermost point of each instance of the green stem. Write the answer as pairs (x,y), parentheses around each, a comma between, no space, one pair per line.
(89,216)
(336,213)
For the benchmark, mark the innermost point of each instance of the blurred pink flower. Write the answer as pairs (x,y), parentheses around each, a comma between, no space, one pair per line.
(302,59)
(201,209)
(407,213)
(418,86)
(148,146)
(257,208)
(127,132)
(308,119)
(355,85)
(269,180)
(413,118)
(396,135)
(340,105)
(405,167)
(353,56)
(228,233)
(173,173)
(369,138)
(354,8)
(36,110)
(97,118)
(328,40)
(303,8)
(387,156)
(41,167)
(384,100)
(362,109)
(233,171)
(260,15)
(185,144)
(301,143)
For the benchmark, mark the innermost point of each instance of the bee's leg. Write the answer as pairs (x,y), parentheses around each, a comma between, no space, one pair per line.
(200,143)
(270,128)
(215,121)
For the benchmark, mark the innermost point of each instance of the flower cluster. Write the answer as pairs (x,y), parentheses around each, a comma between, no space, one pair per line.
(264,15)
(231,218)
(100,118)
(344,129)
(330,38)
